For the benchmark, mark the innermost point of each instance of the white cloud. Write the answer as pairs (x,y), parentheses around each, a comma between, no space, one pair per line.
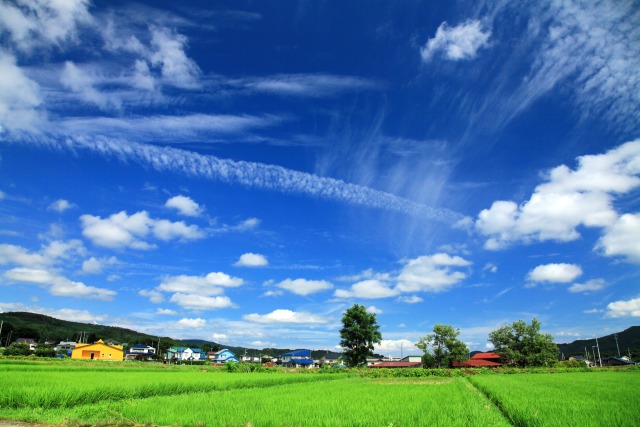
(187,323)
(219,337)
(165,312)
(248,224)
(433,273)
(309,85)
(374,310)
(568,199)
(456,43)
(19,97)
(169,54)
(622,238)
(154,296)
(58,285)
(410,299)
(184,205)
(285,316)
(208,285)
(12,254)
(63,313)
(252,175)
(95,265)
(304,287)
(592,311)
(199,302)
(60,205)
(43,22)
(250,259)
(397,347)
(367,289)
(129,231)
(629,308)
(554,273)
(589,286)
(83,82)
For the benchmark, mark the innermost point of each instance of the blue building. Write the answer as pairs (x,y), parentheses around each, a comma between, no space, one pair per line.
(222,356)
(297,359)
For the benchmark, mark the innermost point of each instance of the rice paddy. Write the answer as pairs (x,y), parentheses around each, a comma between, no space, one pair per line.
(125,394)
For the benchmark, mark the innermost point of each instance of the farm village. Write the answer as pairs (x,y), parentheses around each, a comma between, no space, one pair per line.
(101,383)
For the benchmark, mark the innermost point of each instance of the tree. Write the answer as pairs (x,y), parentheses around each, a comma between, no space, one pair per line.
(523,345)
(445,347)
(44,350)
(360,331)
(16,349)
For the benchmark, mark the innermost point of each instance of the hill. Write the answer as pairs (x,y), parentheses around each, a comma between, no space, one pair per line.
(45,328)
(628,342)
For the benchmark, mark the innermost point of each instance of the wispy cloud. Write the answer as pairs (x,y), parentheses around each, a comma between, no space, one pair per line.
(249,174)
(308,85)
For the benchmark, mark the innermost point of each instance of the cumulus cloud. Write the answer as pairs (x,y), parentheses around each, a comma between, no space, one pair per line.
(184,205)
(58,285)
(285,316)
(456,43)
(589,286)
(554,273)
(395,347)
(199,302)
(95,265)
(568,199)
(410,299)
(304,287)
(629,308)
(367,289)
(374,310)
(165,312)
(187,323)
(250,259)
(60,205)
(130,231)
(621,238)
(195,292)
(62,313)
(435,273)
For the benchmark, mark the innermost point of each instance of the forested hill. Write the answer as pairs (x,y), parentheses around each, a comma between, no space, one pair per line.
(628,341)
(44,328)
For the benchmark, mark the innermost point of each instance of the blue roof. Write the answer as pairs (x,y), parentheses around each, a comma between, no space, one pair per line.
(302,361)
(298,353)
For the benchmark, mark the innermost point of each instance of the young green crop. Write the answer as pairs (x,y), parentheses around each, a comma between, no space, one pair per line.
(576,399)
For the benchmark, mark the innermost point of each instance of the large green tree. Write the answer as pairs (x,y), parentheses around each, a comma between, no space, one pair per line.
(360,331)
(442,347)
(520,344)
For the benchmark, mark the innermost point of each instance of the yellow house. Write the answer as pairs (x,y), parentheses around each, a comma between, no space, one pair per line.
(98,351)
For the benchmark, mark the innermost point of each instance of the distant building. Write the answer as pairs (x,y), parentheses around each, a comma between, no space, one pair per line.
(297,359)
(179,354)
(330,358)
(222,356)
(98,351)
(616,361)
(479,360)
(29,341)
(141,351)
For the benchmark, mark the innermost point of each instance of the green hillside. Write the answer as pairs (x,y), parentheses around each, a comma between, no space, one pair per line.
(628,341)
(45,328)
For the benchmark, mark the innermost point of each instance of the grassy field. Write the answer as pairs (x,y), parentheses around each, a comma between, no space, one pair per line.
(130,394)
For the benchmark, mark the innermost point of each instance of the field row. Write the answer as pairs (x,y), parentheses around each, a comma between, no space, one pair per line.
(203,398)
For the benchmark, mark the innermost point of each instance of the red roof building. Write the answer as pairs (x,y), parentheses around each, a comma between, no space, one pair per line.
(478,360)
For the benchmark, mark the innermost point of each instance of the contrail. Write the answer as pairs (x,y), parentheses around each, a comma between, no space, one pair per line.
(248,174)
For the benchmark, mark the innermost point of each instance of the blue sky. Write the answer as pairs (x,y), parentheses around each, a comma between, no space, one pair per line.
(245,171)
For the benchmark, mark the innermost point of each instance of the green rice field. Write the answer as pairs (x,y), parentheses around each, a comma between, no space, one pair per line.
(138,394)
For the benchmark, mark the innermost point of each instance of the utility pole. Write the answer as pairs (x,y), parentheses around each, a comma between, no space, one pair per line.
(599,356)
(617,346)
(158,354)
(593,350)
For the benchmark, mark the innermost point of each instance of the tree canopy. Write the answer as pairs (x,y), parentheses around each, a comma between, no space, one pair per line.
(523,345)
(360,331)
(442,347)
